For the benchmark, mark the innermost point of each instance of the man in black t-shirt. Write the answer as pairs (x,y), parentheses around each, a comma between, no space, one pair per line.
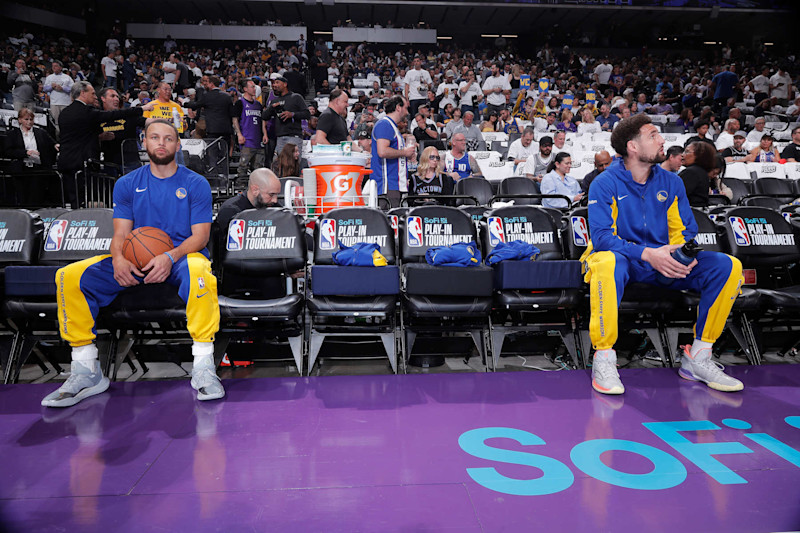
(332,127)
(263,189)
(116,131)
(792,152)
(737,153)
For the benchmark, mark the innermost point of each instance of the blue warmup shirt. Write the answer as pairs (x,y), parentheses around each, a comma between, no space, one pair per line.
(387,172)
(625,216)
(172,204)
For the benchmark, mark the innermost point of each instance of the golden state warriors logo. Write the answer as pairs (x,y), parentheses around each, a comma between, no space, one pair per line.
(662,196)
(181,193)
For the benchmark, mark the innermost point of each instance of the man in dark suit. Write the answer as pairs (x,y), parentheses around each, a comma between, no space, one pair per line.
(80,126)
(217,108)
(32,152)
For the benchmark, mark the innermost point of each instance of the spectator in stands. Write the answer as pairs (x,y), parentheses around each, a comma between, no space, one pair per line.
(602,74)
(458,164)
(128,72)
(470,131)
(390,154)
(602,160)
(662,107)
(606,120)
(319,69)
(490,124)
(167,109)
(287,164)
(508,124)
(686,119)
(758,130)
(760,85)
(642,105)
(717,186)
(415,85)
(430,180)
(251,130)
(29,147)
(558,181)
(780,85)
(674,160)
(297,80)
(588,123)
(619,229)
(496,89)
(263,190)
(701,128)
(217,108)
(424,131)
(289,109)
(447,89)
(332,126)
(765,152)
(724,84)
(560,142)
(566,123)
(470,93)
(116,131)
(23,86)
(553,106)
(58,85)
(450,127)
(699,159)
(547,124)
(109,69)
(536,167)
(737,153)
(725,139)
(792,151)
(521,149)
(80,123)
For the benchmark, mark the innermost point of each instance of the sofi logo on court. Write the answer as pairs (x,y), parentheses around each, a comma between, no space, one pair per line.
(667,470)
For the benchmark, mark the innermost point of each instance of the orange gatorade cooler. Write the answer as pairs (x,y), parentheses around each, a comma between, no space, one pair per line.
(338,180)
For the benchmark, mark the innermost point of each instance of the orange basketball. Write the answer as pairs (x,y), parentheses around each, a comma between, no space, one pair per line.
(142,244)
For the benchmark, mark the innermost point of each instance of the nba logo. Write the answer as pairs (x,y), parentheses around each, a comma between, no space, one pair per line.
(739,231)
(394,221)
(580,233)
(496,232)
(236,235)
(327,234)
(55,237)
(414,231)
(787,217)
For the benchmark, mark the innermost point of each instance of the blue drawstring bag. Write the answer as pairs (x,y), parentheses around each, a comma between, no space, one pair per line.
(360,254)
(461,254)
(512,251)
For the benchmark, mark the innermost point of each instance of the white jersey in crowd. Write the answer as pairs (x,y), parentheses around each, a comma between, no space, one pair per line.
(760,84)
(449,90)
(59,97)
(517,151)
(471,96)
(783,90)
(110,66)
(491,83)
(603,71)
(169,77)
(418,82)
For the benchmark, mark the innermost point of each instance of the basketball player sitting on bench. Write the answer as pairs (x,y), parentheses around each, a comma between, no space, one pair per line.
(162,195)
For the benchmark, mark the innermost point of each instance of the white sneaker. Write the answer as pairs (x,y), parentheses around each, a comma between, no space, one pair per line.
(605,378)
(83,382)
(702,368)
(206,382)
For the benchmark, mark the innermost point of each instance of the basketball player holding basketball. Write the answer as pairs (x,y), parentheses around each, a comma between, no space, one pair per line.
(162,195)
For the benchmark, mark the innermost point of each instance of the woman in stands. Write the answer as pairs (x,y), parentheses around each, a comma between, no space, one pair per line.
(429,180)
(490,124)
(765,152)
(29,147)
(588,124)
(715,178)
(288,162)
(553,105)
(686,119)
(699,160)
(566,123)
(558,181)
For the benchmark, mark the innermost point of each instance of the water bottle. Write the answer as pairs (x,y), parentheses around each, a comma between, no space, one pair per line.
(176,119)
(684,255)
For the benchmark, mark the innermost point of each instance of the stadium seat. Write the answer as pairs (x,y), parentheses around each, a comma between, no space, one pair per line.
(780,188)
(517,185)
(740,187)
(496,170)
(738,171)
(441,299)
(478,188)
(766,170)
(340,293)
(532,296)
(263,248)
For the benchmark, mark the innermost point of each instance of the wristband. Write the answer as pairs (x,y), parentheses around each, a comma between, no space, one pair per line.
(170,257)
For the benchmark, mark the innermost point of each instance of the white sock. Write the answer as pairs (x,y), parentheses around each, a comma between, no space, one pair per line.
(203,352)
(608,353)
(700,345)
(86,354)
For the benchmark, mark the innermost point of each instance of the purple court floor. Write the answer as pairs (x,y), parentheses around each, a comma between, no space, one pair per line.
(517,451)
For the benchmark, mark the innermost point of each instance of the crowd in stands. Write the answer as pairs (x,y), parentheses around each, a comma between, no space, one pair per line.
(452,93)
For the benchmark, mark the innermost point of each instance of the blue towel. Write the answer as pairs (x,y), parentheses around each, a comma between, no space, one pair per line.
(461,254)
(360,254)
(512,251)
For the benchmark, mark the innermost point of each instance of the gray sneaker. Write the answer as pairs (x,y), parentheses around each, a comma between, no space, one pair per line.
(703,368)
(206,382)
(605,378)
(82,383)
